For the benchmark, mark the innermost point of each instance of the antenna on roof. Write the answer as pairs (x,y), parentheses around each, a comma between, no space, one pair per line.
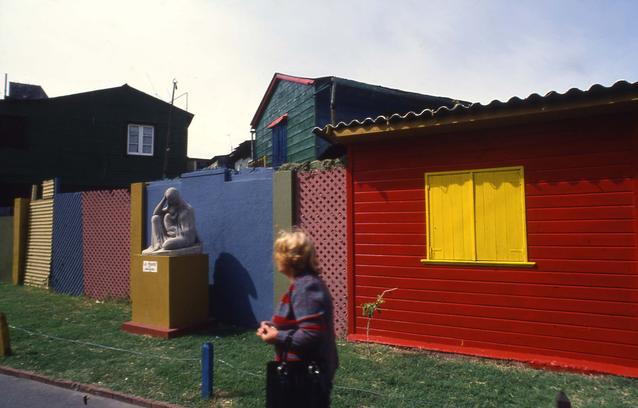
(6,77)
(184,94)
(148,78)
(167,147)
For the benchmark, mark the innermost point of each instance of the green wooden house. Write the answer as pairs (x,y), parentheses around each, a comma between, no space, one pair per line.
(100,139)
(292,106)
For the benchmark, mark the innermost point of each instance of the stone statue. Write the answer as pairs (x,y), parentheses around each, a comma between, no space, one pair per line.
(173,227)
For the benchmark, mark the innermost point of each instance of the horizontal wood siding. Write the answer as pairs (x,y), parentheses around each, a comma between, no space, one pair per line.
(579,302)
(298,101)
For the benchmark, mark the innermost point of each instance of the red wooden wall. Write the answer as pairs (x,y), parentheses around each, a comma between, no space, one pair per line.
(577,307)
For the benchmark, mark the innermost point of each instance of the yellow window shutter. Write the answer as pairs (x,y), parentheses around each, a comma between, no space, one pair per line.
(451,216)
(499,215)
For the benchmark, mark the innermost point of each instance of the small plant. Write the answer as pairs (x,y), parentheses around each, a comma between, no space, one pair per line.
(370,308)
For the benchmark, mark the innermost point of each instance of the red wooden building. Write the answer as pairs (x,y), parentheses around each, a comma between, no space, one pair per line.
(510,229)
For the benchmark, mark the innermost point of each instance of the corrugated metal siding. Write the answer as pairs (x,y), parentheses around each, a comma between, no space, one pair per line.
(39,241)
(579,302)
(48,189)
(298,101)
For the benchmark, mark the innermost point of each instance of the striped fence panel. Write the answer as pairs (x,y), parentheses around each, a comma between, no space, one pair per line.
(321,212)
(106,241)
(66,266)
(38,259)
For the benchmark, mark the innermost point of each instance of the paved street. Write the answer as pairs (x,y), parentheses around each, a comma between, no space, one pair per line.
(19,392)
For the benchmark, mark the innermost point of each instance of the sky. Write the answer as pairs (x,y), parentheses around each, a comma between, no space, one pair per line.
(224,53)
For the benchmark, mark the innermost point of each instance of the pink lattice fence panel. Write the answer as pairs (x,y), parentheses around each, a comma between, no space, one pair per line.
(321,212)
(106,243)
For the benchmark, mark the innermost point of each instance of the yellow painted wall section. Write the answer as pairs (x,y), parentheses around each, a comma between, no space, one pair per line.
(20,228)
(137,218)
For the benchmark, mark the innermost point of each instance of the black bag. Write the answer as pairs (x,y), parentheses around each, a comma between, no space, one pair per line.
(296,384)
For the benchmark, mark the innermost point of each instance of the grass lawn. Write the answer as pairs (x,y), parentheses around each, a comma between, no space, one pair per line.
(370,376)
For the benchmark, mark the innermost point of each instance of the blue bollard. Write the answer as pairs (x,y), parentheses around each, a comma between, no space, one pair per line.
(208,364)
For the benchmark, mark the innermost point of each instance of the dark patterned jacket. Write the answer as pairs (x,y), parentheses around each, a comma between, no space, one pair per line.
(306,311)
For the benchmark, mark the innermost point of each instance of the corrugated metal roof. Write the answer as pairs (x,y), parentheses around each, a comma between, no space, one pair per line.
(460,110)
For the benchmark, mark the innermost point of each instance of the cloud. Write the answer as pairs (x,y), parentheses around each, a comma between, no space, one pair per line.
(224,53)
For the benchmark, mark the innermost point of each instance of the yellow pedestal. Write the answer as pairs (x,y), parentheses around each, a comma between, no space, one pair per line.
(169,294)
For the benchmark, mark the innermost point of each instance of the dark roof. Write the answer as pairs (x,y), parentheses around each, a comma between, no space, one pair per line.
(25,91)
(427,100)
(242,151)
(119,89)
(596,95)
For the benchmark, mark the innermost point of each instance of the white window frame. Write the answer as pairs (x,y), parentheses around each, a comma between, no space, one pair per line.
(140,140)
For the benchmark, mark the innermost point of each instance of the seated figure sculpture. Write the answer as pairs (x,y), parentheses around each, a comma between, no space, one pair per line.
(173,227)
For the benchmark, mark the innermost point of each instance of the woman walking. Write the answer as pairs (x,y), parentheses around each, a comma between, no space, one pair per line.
(302,327)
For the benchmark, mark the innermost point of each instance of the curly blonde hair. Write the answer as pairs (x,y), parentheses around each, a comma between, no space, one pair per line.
(295,252)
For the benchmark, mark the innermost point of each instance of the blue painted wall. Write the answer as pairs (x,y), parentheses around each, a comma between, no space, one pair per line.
(67,271)
(233,212)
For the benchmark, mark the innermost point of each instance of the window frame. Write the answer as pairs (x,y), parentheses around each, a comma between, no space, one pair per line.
(140,149)
(427,260)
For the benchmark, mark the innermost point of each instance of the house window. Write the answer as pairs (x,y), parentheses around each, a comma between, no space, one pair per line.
(476,217)
(140,140)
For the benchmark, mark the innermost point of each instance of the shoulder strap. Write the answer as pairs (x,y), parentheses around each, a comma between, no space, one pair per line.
(288,341)
(287,344)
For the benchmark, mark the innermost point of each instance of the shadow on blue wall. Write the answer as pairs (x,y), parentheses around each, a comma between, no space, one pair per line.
(233,291)
(233,213)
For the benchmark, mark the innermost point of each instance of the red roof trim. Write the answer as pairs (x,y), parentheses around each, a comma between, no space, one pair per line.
(278,121)
(271,89)
(299,80)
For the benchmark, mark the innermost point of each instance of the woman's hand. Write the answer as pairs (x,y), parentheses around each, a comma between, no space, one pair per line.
(267,332)
(260,329)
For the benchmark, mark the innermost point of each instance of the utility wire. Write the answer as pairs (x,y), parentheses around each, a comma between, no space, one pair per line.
(102,346)
(130,351)
(261,376)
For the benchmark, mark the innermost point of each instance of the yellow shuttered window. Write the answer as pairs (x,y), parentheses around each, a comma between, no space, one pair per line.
(476,217)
